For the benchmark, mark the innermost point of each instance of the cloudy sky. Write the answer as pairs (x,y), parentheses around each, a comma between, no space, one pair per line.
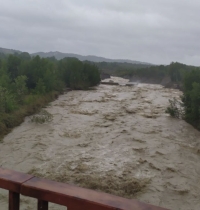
(155,31)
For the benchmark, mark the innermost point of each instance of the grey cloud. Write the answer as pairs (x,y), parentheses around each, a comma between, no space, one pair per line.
(152,31)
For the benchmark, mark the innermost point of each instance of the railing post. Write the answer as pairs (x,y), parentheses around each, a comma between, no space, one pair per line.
(42,205)
(13,201)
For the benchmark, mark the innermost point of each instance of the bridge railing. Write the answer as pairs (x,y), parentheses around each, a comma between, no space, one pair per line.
(72,197)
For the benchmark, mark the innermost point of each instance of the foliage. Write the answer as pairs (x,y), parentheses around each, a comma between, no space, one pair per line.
(82,76)
(155,73)
(20,87)
(28,83)
(7,101)
(42,117)
(40,87)
(191,100)
(175,108)
(13,64)
(190,106)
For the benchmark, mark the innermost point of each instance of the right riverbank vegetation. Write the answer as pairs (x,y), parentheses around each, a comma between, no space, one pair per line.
(29,83)
(188,107)
(176,75)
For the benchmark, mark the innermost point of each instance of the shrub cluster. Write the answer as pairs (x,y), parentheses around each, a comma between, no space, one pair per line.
(189,108)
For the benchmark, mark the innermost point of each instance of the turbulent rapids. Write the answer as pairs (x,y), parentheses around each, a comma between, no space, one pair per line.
(116,139)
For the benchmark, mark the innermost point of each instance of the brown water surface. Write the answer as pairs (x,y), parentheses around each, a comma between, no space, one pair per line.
(116,139)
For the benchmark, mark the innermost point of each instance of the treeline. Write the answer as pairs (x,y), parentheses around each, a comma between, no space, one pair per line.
(175,71)
(186,77)
(114,68)
(191,97)
(27,84)
(188,108)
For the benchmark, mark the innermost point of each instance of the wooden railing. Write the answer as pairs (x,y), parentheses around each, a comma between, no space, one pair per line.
(72,197)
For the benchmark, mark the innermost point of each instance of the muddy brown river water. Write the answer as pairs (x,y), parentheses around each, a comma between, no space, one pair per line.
(116,139)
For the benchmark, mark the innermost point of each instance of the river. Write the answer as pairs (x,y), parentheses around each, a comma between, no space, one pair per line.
(116,139)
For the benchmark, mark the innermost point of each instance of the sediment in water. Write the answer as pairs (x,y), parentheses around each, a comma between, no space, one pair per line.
(116,139)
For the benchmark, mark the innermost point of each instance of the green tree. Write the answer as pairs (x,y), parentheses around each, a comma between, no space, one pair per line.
(20,87)
(13,64)
(7,101)
(190,98)
(40,88)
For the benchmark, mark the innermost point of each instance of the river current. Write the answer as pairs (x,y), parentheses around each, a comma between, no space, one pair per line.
(116,139)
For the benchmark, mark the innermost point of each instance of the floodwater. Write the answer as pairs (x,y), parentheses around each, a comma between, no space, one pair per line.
(116,139)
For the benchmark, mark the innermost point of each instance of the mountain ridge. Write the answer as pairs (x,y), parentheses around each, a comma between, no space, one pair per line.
(93,58)
(60,55)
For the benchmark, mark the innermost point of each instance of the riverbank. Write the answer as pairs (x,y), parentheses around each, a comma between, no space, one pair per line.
(165,81)
(34,103)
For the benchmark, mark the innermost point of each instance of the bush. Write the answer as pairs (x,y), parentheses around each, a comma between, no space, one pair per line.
(30,99)
(11,121)
(175,108)
(7,101)
(20,87)
(192,104)
(42,117)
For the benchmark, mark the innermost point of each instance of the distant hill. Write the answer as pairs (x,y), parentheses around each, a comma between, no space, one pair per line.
(60,55)
(8,51)
(92,58)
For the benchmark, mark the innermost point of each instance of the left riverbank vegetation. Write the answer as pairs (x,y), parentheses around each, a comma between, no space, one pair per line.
(29,83)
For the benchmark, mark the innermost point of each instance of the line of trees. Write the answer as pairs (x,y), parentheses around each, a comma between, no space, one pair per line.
(187,78)
(175,71)
(191,98)
(27,84)
(188,108)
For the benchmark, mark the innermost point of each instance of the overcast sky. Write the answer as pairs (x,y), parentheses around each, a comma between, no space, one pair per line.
(155,31)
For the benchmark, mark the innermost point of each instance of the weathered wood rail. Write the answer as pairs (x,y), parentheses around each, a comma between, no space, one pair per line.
(72,197)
